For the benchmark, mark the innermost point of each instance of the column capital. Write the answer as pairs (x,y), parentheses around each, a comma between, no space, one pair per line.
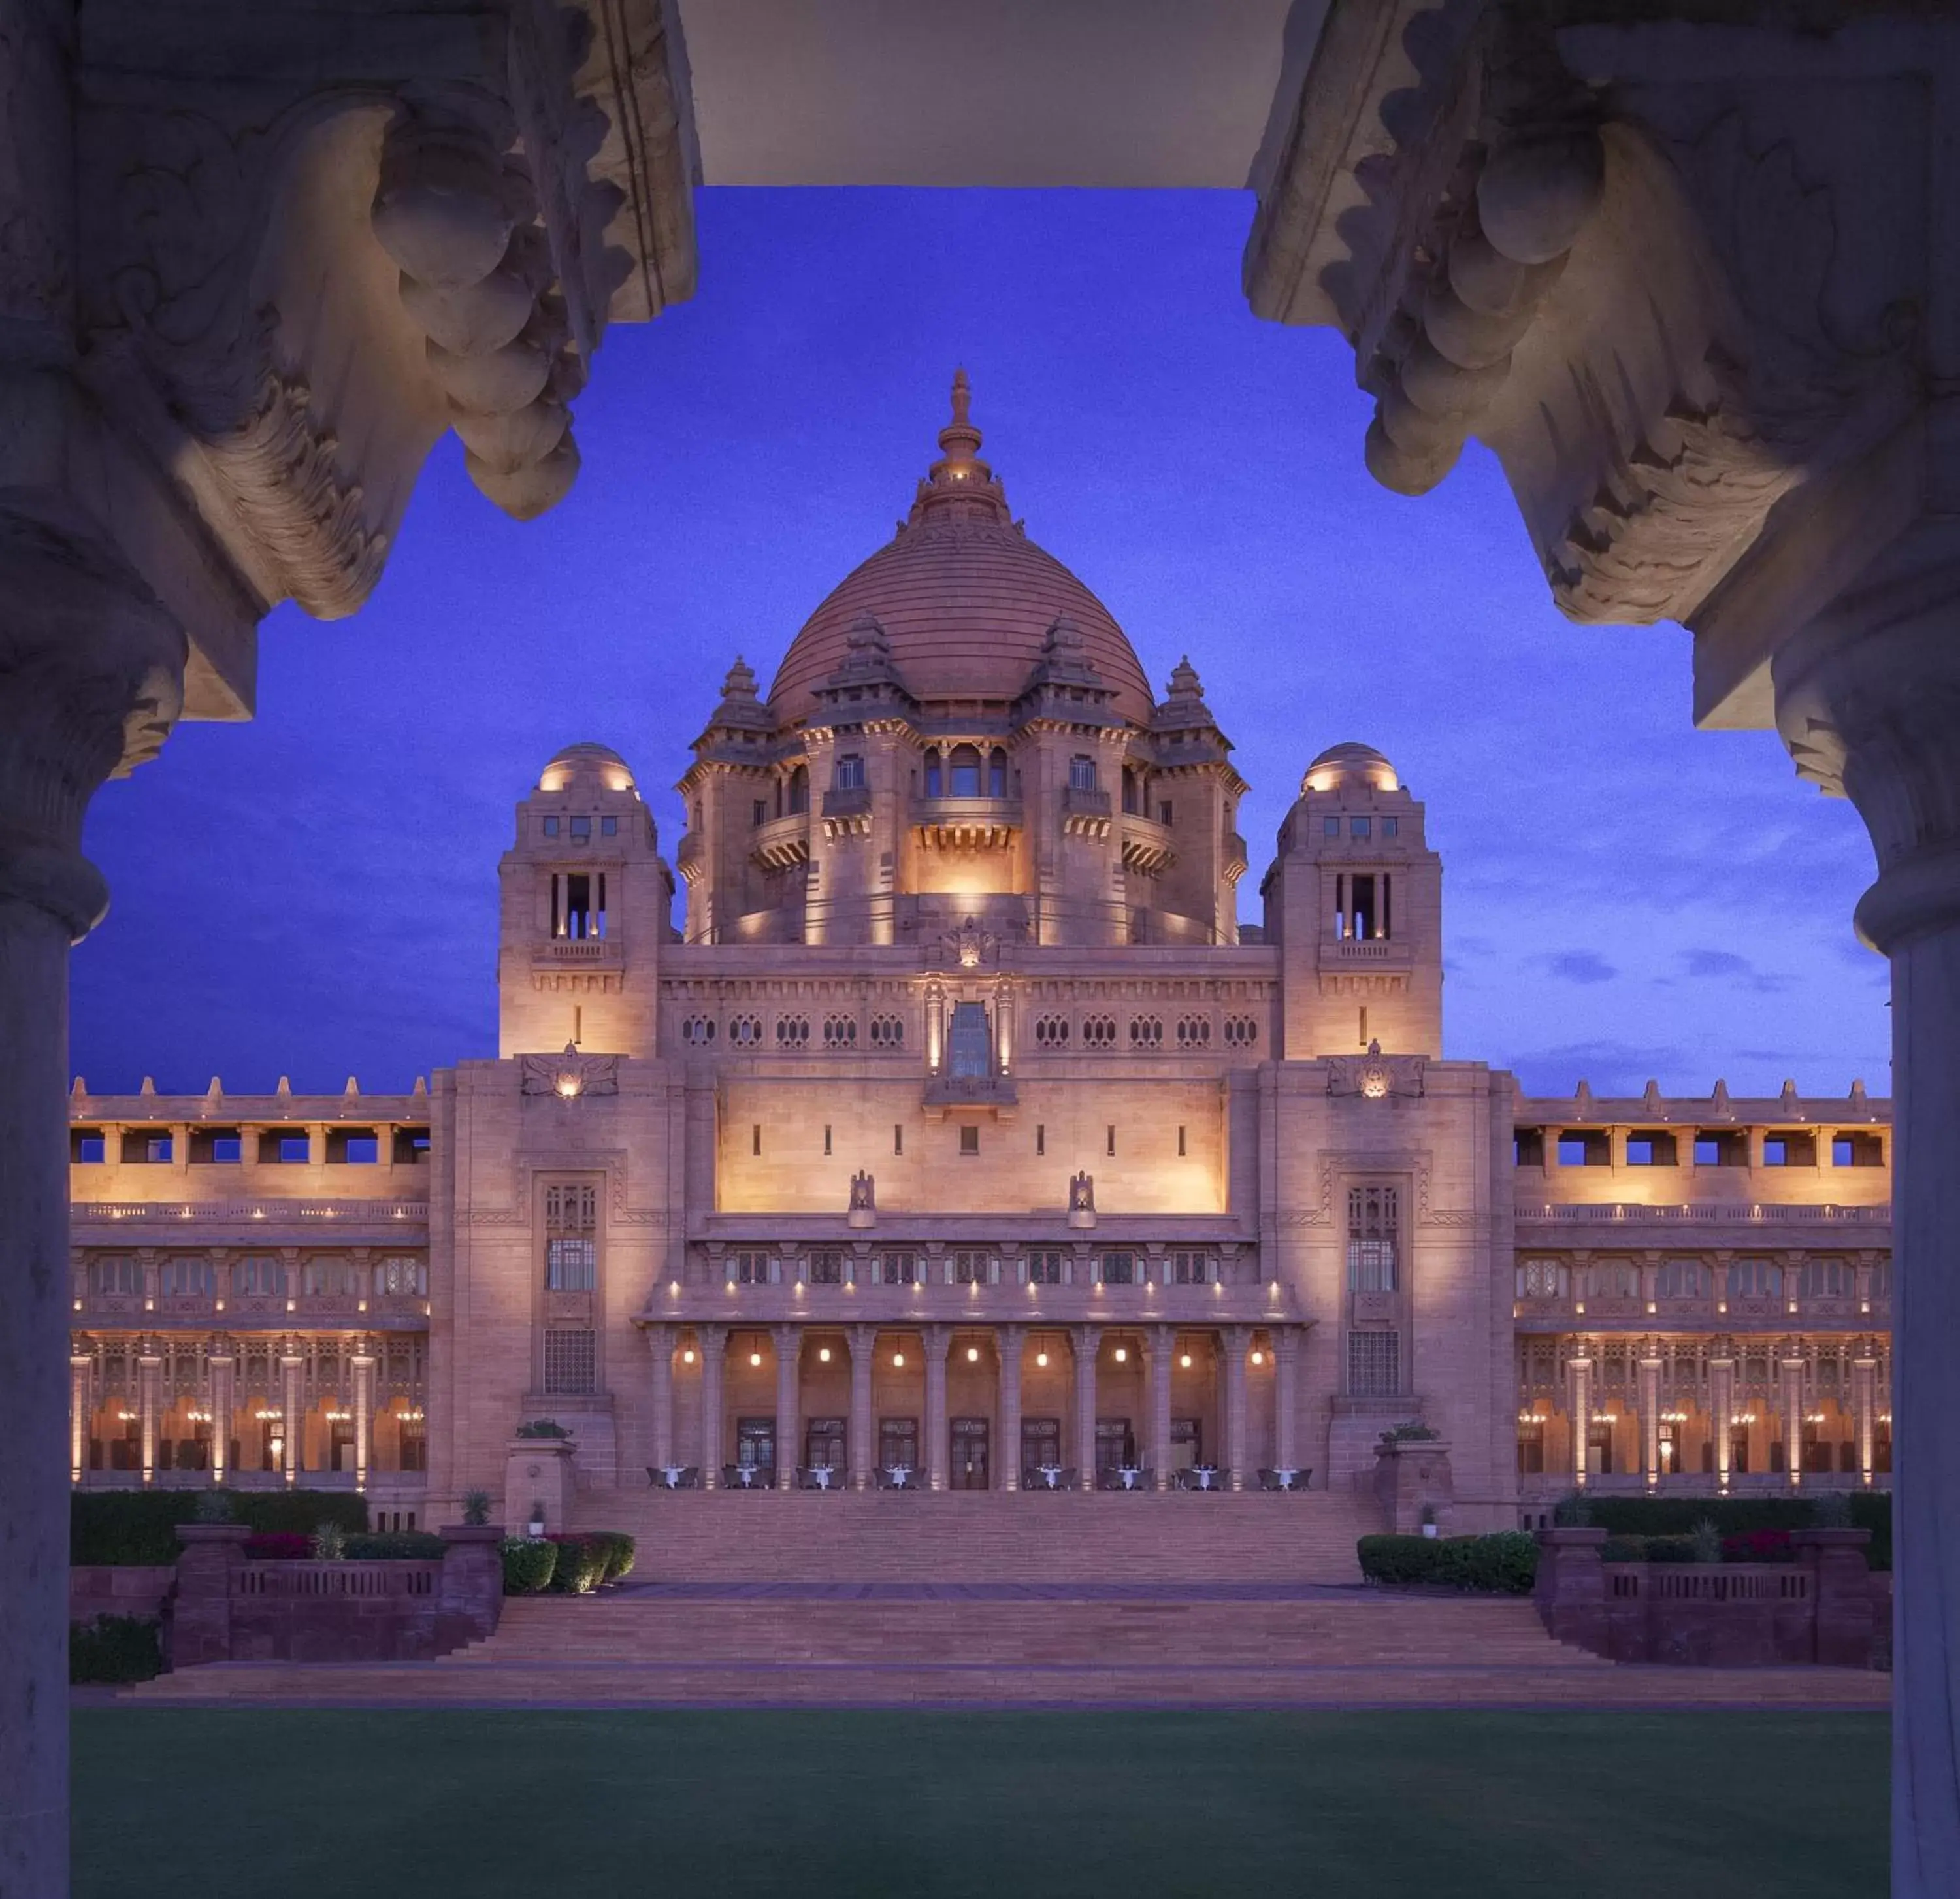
(937,1339)
(659,1335)
(786,1335)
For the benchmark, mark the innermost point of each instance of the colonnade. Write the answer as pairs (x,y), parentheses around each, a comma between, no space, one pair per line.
(1161,1349)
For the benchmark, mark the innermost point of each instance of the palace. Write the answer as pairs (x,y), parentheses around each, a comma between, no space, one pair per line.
(962,1131)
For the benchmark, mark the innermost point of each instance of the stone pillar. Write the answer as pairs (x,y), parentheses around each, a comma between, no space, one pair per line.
(1793,1420)
(363,1365)
(292,1400)
(1163,1356)
(713,1340)
(1011,1341)
(1285,1396)
(863,1349)
(79,1383)
(1650,1422)
(1864,1392)
(197,1616)
(1581,1371)
(1721,1408)
(149,1390)
(938,1451)
(788,1340)
(1237,1340)
(1084,1340)
(223,1378)
(659,1357)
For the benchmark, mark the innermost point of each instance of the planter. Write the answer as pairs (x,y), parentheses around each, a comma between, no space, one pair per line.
(535,1528)
(1430,1529)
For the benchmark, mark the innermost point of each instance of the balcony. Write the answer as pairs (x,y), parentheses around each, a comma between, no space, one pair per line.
(847,813)
(1084,813)
(782,842)
(993,1092)
(1146,846)
(580,952)
(691,859)
(1365,952)
(1235,859)
(966,824)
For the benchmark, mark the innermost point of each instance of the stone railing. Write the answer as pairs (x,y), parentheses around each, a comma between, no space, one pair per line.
(224,1607)
(1822,1608)
(106,1212)
(1752,1213)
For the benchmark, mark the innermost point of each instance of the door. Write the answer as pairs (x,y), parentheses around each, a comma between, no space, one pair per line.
(1114,1445)
(823,1444)
(969,1453)
(1187,1443)
(1041,1446)
(755,1445)
(897,1444)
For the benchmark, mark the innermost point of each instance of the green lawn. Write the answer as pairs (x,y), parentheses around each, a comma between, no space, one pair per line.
(186,1804)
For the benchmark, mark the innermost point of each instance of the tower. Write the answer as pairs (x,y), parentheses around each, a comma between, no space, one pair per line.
(1354,900)
(584,910)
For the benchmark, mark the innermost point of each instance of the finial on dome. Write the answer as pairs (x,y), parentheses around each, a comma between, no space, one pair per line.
(962,395)
(740,683)
(959,487)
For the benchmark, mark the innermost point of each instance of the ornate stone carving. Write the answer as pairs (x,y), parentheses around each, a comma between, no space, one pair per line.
(570,1075)
(1376,1077)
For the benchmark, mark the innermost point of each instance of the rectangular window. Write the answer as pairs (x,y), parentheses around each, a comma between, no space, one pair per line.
(826,1137)
(969,1043)
(1374,1364)
(551,827)
(1163,811)
(1081,773)
(899,1269)
(570,1360)
(86,1148)
(850,772)
(1390,826)
(897,1444)
(1119,1269)
(755,1138)
(581,830)
(609,827)
(826,1268)
(1190,1269)
(1330,827)
(1109,1139)
(755,1444)
(571,1209)
(969,1140)
(758,811)
(1858,1150)
(571,1266)
(750,1268)
(1180,1140)
(1374,1233)
(1358,828)
(898,1137)
(1044,1268)
(969,1269)
(259,1276)
(1041,1137)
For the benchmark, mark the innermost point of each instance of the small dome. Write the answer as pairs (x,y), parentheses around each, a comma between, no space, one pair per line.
(1351,766)
(586,761)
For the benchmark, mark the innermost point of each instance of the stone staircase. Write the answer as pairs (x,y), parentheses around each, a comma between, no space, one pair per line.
(710,1536)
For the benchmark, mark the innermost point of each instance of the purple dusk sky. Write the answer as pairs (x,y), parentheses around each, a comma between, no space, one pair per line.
(315,894)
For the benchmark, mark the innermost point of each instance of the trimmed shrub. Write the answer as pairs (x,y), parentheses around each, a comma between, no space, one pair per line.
(1737,1516)
(1502,1564)
(126,1527)
(581,1564)
(530,1562)
(115,1648)
(542,1428)
(620,1550)
(1648,1550)
(396,1545)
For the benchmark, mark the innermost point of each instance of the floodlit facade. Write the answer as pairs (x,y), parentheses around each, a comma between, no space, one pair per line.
(942,1118)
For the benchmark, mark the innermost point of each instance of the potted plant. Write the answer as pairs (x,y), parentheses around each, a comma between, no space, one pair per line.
(477,1507)
(536,1527)
(1429,1528)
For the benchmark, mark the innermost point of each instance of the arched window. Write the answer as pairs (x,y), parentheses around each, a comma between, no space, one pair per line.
(1130,794)
(935,780)
(799,790)
(996,773)
(965,771)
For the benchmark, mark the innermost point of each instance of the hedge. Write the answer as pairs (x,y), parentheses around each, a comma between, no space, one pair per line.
(581,1564)
(124,1527)
(398,1546)
(1502,1564)
(620,1550)
(115,1648)
(1738,1516)
(530,1562)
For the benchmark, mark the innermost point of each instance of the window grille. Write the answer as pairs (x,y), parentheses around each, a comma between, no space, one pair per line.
(1374,1364)
(792,1032)
(970,1051)
(571,1360)
(899,1269)
(1541,1279)
(826,1268)
(1190,1269)
(1241,1031)
(1044,1268)
(1194,1031)
(1099,1031)
(1052,1032)
(748,1267)
(1119,1269)
(839,1031)
(571,1210)
(698,1030)
(969,1269)
(1374,1228)
(888,1031)
(1082,773)
(1146,1031)
(850,774)
(745,1031)
(400,1273)
(571,1266)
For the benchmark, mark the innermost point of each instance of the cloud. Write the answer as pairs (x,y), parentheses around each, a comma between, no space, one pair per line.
(1580,966)
(1724,966)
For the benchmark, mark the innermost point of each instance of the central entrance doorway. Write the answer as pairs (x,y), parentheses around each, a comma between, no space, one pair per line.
(969,1453)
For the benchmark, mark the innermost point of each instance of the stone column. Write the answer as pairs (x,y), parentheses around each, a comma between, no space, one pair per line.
(363,1367)
(91,673)
(1163,1350)
(149,1383)
(788,1340)
(1010,1342)
(1236,1341)
(1793,1420)
(713,1340)
(660,1358)
(863,1349)
(1085,1340)
(79,1367)
(1722,1409)
(224,1374)
(1286,1396)
(1581,1371)
(1650,1422)
(938,1454)
(292,1367)
(1868,700)
(1864,1392)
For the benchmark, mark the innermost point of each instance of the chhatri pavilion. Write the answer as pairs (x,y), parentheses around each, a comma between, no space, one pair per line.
(943,1125)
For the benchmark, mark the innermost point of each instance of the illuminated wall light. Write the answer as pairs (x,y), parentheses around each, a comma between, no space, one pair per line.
(898,1361)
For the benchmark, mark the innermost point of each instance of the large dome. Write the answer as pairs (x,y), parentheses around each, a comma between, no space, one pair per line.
(965,598)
